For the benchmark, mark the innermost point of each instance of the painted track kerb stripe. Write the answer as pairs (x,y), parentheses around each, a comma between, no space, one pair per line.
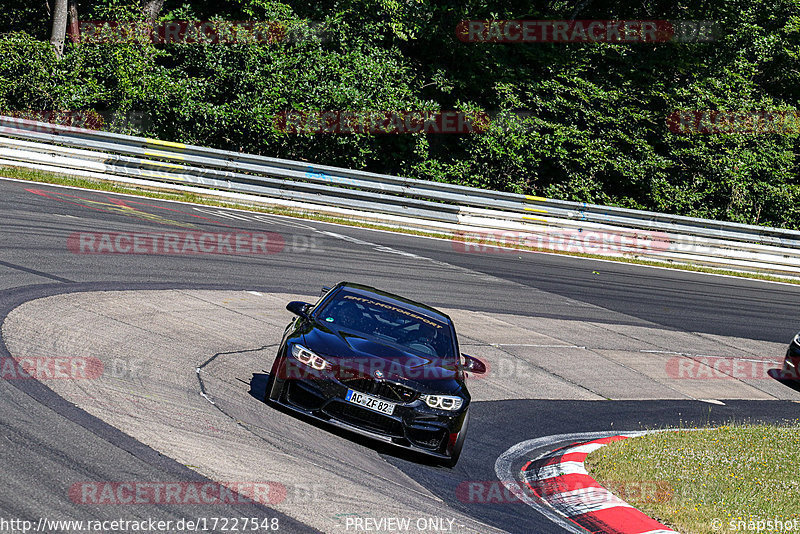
(503,468)
(590,506)
(563,468)
(584,501)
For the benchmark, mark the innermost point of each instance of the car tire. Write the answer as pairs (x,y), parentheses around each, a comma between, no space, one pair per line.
(271,381)
(462,434)
(268,388)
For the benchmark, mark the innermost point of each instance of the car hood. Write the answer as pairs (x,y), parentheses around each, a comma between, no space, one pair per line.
(358,354)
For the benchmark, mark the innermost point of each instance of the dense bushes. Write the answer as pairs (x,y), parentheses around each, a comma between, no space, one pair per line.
(574,121)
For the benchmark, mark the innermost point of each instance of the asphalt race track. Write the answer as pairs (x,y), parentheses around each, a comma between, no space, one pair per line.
(573,345)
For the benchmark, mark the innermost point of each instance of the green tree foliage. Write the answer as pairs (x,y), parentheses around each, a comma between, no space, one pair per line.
(583,122)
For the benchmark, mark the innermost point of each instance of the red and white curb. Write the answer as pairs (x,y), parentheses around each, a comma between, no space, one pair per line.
(558,486)
(561,480)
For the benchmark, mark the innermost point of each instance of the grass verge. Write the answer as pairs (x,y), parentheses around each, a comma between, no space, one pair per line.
(97,185)
(725,479)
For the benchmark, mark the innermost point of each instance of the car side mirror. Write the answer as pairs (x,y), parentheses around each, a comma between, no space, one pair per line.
(299,308)
(473,365)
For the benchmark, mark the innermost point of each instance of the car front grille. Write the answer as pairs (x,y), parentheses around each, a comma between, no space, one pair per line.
(361,417)
(380,388)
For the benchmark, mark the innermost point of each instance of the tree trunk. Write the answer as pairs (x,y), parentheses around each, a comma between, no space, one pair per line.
(152,8)
(74,25)
(59,27)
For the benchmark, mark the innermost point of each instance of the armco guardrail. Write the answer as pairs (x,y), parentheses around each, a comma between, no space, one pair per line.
(497,216)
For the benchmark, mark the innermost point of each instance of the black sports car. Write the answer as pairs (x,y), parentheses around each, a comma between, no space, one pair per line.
(791,363)
(379,365)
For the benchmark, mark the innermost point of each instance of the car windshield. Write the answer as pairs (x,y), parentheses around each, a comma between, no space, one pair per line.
(389,322)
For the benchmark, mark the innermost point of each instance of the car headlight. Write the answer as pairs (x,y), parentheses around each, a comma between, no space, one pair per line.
(443,402)
(796,340)
(305,356)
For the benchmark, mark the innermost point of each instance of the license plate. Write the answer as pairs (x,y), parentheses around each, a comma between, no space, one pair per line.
(368,401)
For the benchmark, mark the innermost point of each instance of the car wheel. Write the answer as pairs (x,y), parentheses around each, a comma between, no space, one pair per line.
(462,434)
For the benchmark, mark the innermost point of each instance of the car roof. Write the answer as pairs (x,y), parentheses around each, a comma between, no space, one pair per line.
(417,307)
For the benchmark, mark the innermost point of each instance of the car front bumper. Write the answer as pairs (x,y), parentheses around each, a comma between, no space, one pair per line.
(412,425)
